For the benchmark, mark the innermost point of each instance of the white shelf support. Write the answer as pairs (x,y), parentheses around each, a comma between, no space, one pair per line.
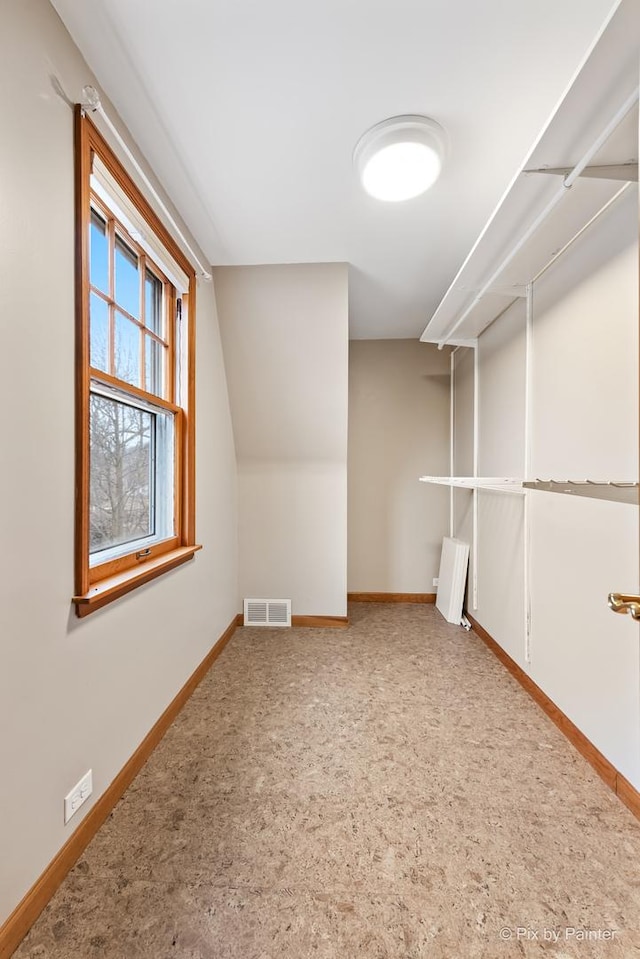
(528,429)
(628,172)
(476,449)
(474,538)
(452,423)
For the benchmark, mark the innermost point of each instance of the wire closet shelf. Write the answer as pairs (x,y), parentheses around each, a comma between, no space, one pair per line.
(615,491)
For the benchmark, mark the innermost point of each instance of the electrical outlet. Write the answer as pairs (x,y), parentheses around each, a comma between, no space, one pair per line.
(78,795)
(436,581)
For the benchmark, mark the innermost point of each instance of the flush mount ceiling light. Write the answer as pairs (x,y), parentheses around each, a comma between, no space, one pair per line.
(400,158)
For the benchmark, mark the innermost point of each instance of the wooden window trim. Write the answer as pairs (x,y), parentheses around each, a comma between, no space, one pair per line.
(99,376)
(113,587)
(128,572)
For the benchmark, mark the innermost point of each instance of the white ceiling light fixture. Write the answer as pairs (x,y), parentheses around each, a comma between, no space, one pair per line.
(400,158)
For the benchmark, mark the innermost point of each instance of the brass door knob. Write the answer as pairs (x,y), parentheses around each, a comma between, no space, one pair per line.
(623,603)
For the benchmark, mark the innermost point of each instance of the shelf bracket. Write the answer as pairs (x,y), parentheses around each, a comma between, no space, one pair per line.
(612,171)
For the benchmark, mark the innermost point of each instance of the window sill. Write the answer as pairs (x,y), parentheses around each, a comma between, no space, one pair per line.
(113,587)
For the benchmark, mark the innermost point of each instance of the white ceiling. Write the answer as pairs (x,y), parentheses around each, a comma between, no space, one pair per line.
(249,111)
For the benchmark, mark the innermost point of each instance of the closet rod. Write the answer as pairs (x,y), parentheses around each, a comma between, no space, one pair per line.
(583,229)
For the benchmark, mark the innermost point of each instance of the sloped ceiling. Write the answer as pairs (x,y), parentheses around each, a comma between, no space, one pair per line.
(249,112)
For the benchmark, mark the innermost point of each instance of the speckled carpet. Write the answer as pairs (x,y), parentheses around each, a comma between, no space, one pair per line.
(385,791)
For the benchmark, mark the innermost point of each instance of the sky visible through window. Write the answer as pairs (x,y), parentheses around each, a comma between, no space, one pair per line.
(127,357)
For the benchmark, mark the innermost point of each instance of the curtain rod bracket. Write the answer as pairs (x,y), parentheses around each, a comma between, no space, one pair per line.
(91,101)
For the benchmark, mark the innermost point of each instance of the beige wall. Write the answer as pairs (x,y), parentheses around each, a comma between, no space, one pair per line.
(398,431)
(285,335)
(76,694)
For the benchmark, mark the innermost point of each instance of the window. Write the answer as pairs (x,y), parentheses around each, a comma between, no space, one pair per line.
(135,384)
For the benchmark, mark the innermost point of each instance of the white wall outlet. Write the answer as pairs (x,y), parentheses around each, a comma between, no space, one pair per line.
(436,581)
(79,794)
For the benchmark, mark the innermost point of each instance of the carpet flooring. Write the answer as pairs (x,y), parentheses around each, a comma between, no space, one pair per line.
(385,791)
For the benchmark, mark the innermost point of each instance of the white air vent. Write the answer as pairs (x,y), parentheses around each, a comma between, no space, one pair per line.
(267,612)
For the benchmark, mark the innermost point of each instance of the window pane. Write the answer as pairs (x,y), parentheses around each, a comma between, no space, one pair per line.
(122,473)
(99,335)
(153,303)
(99,246)
(154,366)
(127,353)
(127,279)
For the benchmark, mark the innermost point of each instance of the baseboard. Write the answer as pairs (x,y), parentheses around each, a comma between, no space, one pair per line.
(391,597)
(627,793)
(322,622)
(15,928)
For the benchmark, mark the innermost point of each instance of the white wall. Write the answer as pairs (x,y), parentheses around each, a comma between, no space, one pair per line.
(501,356)
(501,452)
(285,335)
(77,694)
(584,423)
(463,419)
(398,431)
